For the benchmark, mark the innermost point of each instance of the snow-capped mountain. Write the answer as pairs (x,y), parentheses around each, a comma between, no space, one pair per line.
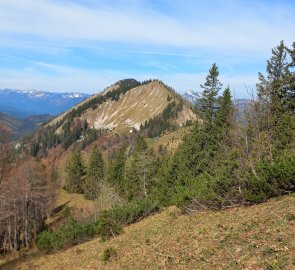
(22,103)
(192,96)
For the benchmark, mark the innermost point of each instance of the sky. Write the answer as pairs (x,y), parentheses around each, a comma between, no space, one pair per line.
(85,46)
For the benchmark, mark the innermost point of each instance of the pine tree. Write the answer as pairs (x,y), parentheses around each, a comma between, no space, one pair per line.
(95,174)
(116,172)
(75,171)
(210,88)
(140,171)
(225,115)
(290,90)
(275,92)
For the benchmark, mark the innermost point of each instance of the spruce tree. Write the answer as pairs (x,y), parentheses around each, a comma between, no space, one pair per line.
(225,114)
(116,172)
(140,171)
(276,99)
(75,171)
(211,87)
(95,174)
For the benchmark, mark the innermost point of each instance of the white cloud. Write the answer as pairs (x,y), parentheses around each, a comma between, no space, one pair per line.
(74,24)
(234,33)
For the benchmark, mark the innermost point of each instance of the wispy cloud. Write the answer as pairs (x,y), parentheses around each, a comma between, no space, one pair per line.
(91,39)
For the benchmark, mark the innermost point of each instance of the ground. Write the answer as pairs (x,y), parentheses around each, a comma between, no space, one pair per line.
(254,237)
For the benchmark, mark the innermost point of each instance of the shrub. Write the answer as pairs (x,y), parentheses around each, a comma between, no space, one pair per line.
(274,178)
(132,211)
(109,224)
(44,241)
(108,253)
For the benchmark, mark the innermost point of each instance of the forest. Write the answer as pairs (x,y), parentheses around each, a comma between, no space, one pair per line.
(224,161)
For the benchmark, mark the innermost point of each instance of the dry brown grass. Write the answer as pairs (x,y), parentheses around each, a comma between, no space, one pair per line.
(256,237)
(170,140)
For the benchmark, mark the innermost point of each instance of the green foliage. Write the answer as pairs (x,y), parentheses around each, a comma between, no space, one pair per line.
(67,235)
(132,211)
(210,88)
(164,121)
(272,178)
(94,175)
(140,171)
(108,253)
(116,172)
(109,224)
(205,166)
(164,187)
(75,171)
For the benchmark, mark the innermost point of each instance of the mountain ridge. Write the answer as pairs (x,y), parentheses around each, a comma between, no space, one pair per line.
(131,108)
(23,103)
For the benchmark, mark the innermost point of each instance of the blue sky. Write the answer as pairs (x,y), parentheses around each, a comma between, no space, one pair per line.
(84,45)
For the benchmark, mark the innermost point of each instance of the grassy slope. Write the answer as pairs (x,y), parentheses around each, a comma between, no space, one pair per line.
(170,140)
(60,117)
(133,108)
(256,237)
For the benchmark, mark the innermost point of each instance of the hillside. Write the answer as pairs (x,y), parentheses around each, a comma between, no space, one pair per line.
(127,104)
(237,238)
(20,127)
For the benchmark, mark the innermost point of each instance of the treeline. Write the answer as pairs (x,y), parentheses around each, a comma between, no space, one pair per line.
(165,121)
(46,138)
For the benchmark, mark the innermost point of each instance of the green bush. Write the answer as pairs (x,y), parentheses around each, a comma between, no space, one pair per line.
(132,211)
(109,224)
(273,178)
(108,253)
(44,240)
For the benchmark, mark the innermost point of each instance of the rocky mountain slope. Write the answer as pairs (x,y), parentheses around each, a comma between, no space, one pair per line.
(22,104)
(124,107)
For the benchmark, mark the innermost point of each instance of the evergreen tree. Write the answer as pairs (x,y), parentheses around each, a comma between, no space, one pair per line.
(140,171)
(210,88)
(164,188)
(75,171)
(94,175)
(275,92)
(225,115)
(116,172)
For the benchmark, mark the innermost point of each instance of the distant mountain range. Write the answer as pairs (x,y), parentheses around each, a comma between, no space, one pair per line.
(192,96)
(23,103)
(240,104)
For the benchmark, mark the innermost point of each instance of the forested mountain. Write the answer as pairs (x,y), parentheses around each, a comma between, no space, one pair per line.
(22,126)
(126,108)
(108,161)
(23,103)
